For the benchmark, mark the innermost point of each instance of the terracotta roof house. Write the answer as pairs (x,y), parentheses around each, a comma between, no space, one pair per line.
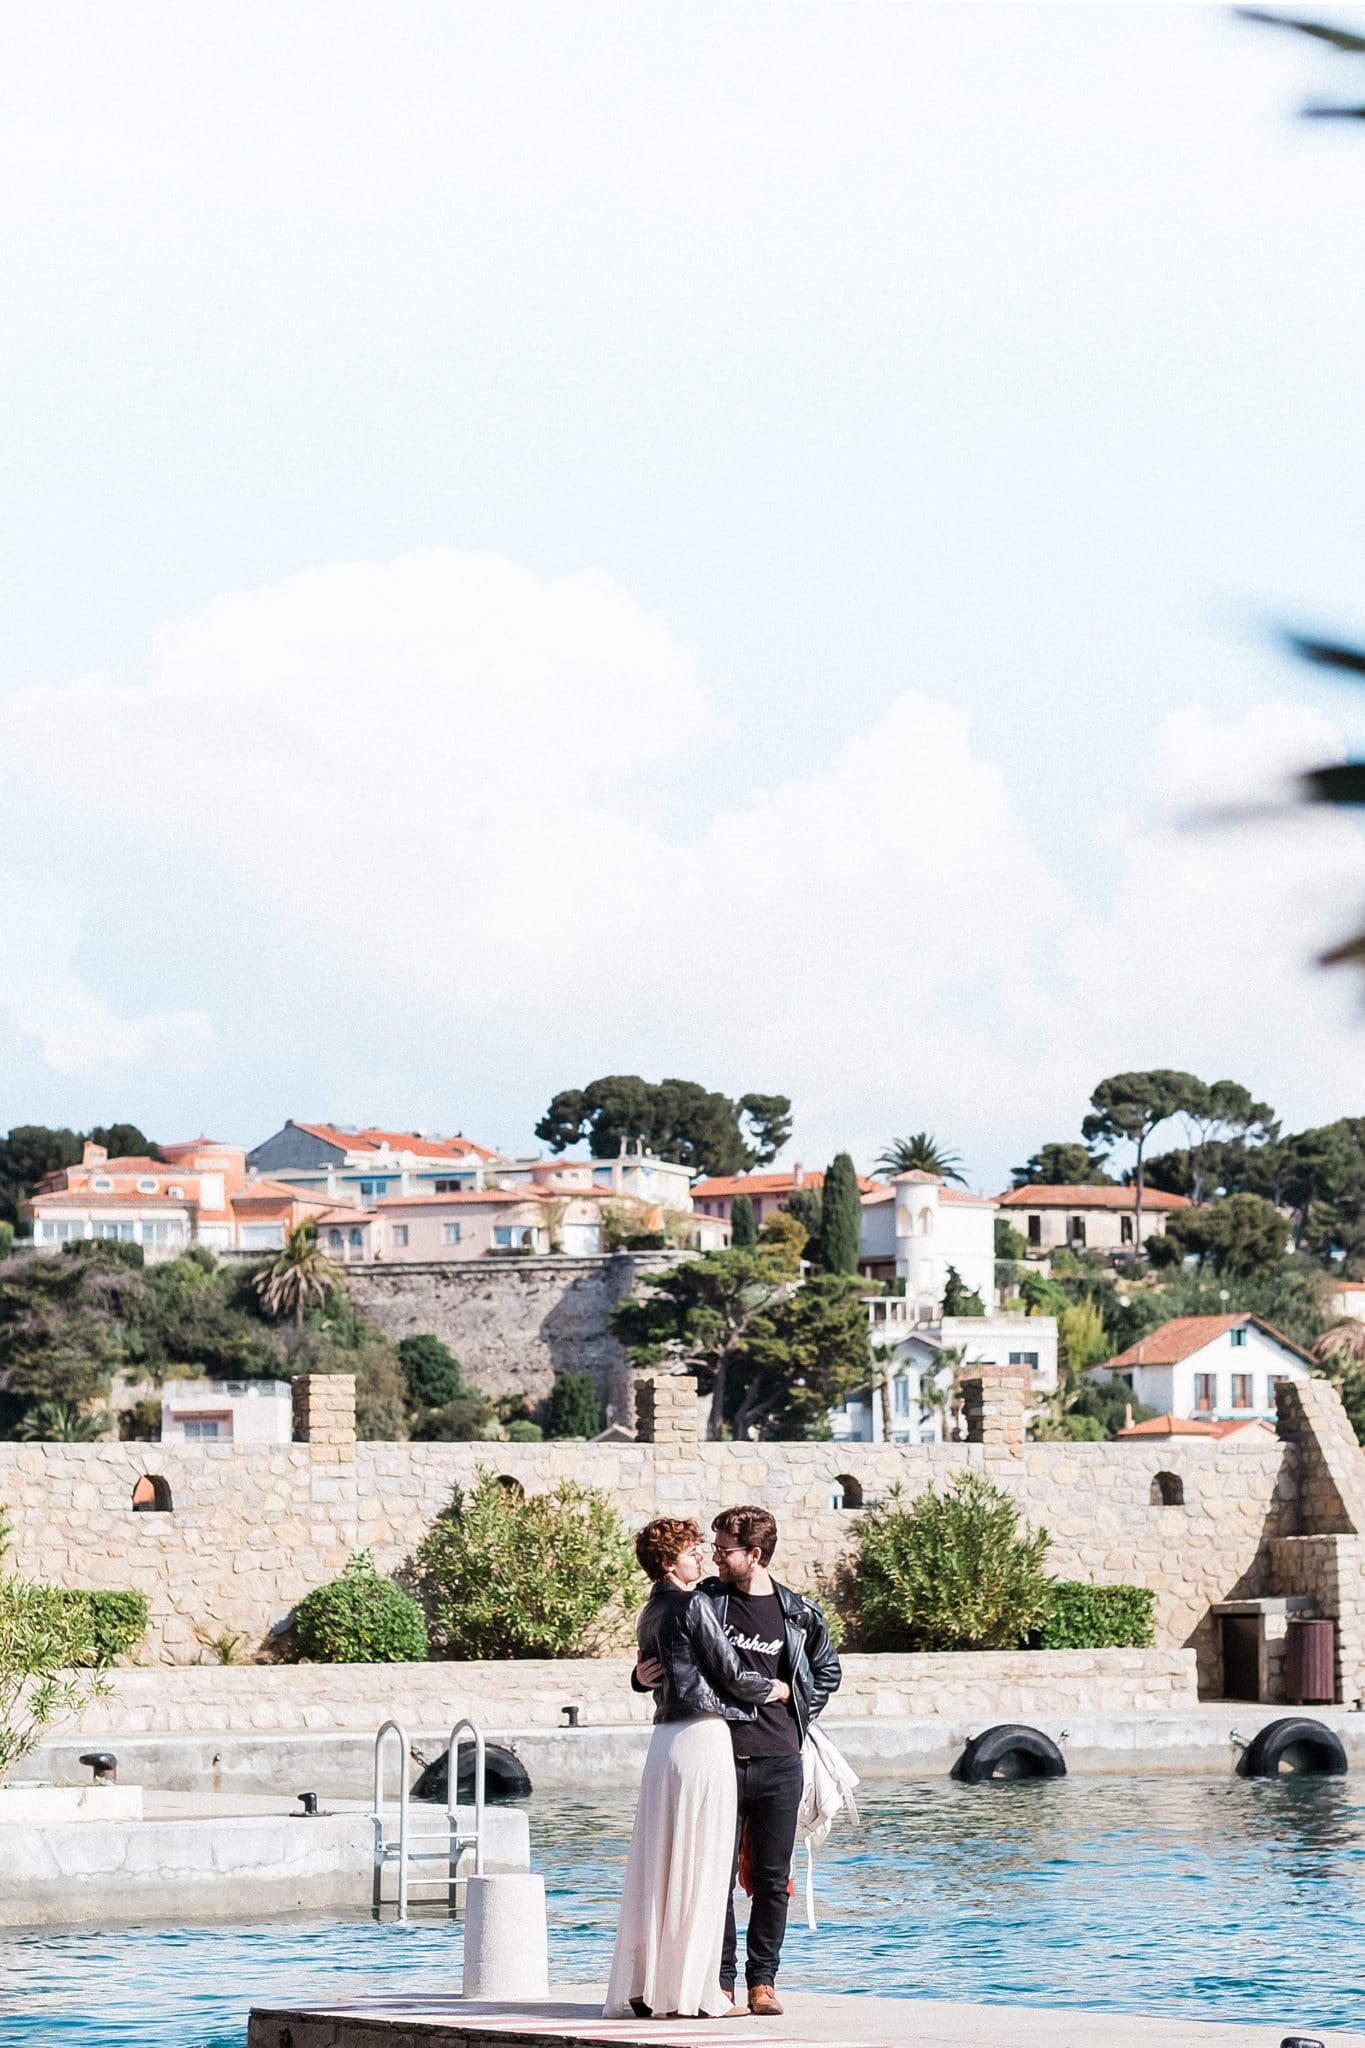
(1209,1368)
(1249,1429)
(1348,1300)
(1084,1218)
(365,1163)
(199,1193)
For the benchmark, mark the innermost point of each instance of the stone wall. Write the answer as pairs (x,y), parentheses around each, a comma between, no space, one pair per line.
(512,1323)
(251,1530)
(516,1695)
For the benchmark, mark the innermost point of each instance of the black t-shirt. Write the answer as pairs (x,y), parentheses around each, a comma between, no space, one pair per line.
(755,1626)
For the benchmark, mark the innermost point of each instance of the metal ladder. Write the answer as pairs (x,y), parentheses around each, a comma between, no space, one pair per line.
(441,1844)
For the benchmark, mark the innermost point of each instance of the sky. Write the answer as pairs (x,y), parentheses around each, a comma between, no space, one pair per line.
(719,542)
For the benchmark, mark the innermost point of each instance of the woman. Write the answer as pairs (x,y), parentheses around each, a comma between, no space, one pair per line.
(668,1940)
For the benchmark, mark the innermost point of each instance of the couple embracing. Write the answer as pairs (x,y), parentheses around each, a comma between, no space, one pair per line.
(739,1667)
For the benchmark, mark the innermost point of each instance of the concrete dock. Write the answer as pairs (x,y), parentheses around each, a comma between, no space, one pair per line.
(574,2017)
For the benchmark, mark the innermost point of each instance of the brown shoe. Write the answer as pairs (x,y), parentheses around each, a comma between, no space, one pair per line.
(763,2001)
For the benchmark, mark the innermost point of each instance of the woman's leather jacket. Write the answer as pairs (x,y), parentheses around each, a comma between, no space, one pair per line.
(702,1671)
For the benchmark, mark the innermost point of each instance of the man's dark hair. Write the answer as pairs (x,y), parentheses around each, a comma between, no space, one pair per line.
(751,1528)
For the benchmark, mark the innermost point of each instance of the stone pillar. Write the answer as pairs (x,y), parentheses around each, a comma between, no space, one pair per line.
(666,1409)
(994,1404)
(1331,1475)
(324,1412)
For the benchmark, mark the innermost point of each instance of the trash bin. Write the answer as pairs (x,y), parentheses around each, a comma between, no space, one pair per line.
(1310,1671)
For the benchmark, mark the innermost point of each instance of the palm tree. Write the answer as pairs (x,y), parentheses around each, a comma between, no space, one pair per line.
(920,1154)
(943,1397)
(301,1274)
(1344,1341)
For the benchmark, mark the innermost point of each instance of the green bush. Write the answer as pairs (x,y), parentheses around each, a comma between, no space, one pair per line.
(951,1571)
(431,1370)
(103,1625)
(573,1408)
(108,1251)
(508,1576)
(6,1239)
(42,1639)
(1082,1617)
(360,1618)
(523,1431)
(468,1419)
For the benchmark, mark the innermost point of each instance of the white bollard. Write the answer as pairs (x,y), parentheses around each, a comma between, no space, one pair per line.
(506,1950)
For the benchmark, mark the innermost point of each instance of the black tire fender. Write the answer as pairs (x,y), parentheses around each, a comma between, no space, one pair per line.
(1299,1742)
(1009,1750)
(504,1776)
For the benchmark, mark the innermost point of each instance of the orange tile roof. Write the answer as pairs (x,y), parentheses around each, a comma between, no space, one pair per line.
(1349,1287)
(371,1138)
(356,1216)
(275,1191)
(770,1184)
(87,1198)
(102,1166)
(1184,1335)
(1192,1425)
(467,1196)
(1061,1197)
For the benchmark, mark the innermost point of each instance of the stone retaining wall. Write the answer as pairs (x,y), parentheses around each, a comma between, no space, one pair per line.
(533,1694)
(253,1529)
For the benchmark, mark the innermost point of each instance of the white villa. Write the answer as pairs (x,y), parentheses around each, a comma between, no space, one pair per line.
(1211,1368)
(914,1367)
(915,1227)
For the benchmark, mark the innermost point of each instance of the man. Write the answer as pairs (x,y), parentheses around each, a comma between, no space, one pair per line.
(783,1635)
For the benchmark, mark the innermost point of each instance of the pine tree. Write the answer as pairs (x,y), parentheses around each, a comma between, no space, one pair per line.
(841,1217)
(574,1408)
(743,1227)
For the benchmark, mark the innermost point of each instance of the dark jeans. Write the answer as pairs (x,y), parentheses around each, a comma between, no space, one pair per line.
(769,1798)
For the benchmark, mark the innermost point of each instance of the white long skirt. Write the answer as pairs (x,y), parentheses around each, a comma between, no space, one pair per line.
(672,1924)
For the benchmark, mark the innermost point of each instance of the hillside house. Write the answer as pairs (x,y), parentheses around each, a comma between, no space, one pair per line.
(915,1227)
(1087,1219)
(913,1365)
(1209,1368)
(198,1193)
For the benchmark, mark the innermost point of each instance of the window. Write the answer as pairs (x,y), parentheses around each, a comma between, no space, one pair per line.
(151,1496)
(1168,1490)
(900,1398)
(202,1432)
(357,1239)
(1035,1230)
(1237,1338)
(59,1232)
(372,1188)
(845,1492)
(177,1194)
(113,1232)
(146,1186)
(514,1236)
(157,1233)
(1241,1390)
(334,1240)
(400,1236)
(1125,1230)
(1205,1392)
(1028,1358)
(102,1184)
(1075,1230)
(450,1233)
(449,1187)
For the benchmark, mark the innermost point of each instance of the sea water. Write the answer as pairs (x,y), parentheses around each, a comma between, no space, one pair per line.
(1197,1897)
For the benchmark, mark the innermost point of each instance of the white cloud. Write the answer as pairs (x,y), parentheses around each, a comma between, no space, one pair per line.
(398,841)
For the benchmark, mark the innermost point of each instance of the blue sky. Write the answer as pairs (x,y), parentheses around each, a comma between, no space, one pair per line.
(897,428)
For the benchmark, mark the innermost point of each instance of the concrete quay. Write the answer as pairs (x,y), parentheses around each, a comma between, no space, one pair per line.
(1198,1740)
(204,1856)
(572,2019)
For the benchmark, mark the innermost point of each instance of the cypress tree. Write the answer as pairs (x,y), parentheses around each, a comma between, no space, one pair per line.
(841,1217)
(574,1407)
(743,1227)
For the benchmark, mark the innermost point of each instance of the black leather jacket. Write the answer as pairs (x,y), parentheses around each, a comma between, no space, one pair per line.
(702,1671)
(811,1656)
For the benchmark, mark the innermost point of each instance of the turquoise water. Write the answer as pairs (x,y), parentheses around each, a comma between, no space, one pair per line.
(1209,1899)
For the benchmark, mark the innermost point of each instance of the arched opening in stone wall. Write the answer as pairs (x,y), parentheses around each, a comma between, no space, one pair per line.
(152,1495)
(845,1491)
(512,1486)
(1168,1490)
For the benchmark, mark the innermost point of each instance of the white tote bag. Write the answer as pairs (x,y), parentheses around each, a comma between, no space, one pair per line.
(827,1791)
